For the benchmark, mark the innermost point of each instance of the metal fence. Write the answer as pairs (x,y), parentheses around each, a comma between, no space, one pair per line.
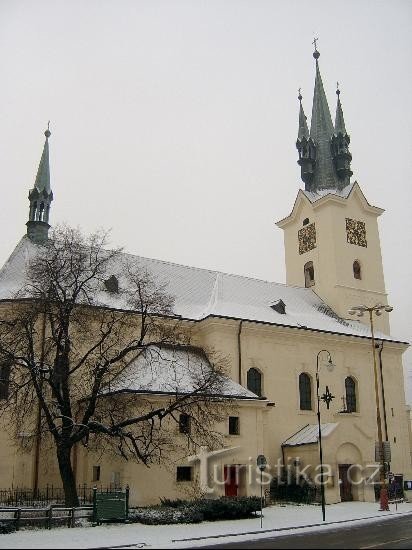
(45,496)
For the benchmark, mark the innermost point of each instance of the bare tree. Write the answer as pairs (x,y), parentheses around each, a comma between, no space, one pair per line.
(79,344)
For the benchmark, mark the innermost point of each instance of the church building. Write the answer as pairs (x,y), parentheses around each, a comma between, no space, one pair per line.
(291,347)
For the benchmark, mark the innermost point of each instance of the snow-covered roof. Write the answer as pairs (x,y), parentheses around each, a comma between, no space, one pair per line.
(170,370)
(201,293)
(309,434)
(314,196)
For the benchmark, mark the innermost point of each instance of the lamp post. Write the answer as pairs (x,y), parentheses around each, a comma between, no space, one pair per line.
(327,398)
(378,309)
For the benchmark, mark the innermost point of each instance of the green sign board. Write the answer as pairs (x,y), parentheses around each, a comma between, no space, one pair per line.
(110,506)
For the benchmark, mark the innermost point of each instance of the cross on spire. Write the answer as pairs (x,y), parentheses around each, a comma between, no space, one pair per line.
(314,43)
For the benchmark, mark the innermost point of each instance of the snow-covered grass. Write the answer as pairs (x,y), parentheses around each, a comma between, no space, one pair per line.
(304,517)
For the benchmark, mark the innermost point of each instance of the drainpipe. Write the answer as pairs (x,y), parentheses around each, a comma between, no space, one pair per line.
(239,352)
(383,391)
(38,420)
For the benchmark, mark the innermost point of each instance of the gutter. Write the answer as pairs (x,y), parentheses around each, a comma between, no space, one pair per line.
(239,351)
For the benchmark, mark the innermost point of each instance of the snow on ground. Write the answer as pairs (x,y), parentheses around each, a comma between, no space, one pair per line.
(172,536)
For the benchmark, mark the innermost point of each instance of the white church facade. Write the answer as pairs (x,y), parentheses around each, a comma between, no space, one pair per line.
(279,340)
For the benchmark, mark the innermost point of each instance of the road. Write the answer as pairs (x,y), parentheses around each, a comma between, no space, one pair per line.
(389,533)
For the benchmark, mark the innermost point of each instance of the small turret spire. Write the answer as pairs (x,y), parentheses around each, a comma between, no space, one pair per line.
(339,120)
(43,173)
(340,144)
(40,198)
(303,125)
(305,146)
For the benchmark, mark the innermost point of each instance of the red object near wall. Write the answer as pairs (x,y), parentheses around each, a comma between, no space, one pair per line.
(231,481)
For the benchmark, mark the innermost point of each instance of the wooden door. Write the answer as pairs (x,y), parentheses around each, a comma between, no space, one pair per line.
(345,483)
(231,481)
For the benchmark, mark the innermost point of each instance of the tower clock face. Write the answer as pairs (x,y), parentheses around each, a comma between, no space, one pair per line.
(356,232)
(307,238)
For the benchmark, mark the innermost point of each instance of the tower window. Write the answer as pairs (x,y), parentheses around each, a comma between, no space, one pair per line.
(184,424)
(305,221)
(357,270)
(305,392)
(309,274)
(350,388)
(254,381)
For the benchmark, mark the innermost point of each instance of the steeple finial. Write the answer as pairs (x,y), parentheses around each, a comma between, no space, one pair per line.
(316,54)
(40,198)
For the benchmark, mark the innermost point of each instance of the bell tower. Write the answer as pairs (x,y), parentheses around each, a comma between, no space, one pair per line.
(331,236)
(40,198)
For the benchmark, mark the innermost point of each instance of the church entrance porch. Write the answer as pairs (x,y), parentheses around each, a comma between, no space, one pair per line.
(345,484)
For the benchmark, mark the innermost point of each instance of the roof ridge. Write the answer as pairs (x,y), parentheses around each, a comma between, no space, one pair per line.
(212,271)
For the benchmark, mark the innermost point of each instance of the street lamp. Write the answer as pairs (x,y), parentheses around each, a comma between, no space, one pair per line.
(327,398)
(359,311)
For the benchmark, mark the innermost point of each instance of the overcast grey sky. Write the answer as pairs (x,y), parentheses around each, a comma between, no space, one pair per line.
(174,122)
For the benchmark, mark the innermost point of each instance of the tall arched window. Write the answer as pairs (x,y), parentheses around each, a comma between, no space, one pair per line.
(357,270)
(305,392)
(309,274)
(350,389)
(254,381)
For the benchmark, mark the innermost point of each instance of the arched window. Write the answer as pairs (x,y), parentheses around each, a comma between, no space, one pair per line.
(350,389)
(309,274)
(254,381)
(305,221)
(41,211)
(305,392)
(357,270)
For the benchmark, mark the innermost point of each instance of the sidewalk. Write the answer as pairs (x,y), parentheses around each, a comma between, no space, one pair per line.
(278,520)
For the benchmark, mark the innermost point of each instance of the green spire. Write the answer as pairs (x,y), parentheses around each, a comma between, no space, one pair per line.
(321,131)
(339,120)
(303,125)
(324,155)
(306,148)
(40,198)
(42,182)
(340,145)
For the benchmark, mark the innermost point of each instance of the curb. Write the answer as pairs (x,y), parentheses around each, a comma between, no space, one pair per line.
(290,528)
